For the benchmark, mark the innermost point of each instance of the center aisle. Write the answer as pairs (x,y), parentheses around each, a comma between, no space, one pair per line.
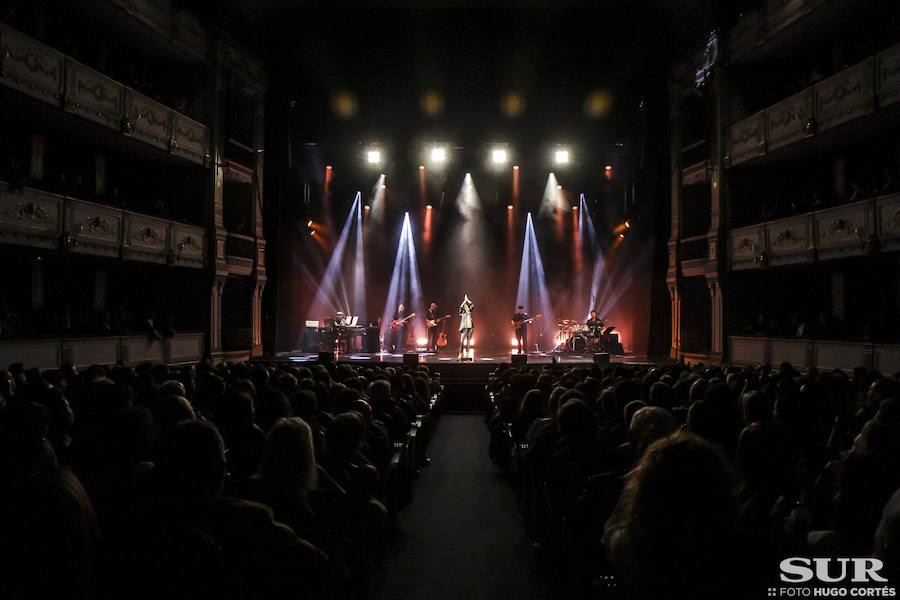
(462,536)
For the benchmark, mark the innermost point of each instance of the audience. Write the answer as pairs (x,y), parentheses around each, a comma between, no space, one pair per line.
(688,481)
(231,481)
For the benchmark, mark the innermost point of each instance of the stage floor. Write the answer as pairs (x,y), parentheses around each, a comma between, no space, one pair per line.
(481,358)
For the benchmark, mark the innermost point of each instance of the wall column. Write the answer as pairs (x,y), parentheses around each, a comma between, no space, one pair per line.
(673,272)
(216,227)
(215,317)
(716,315)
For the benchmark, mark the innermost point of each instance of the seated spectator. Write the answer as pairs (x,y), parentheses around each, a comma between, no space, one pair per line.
(234,414)
(286,475)
(673,531)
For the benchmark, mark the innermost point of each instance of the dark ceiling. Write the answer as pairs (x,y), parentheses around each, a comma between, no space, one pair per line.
(468,72)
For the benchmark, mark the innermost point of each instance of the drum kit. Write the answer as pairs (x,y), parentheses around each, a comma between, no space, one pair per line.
(578,338)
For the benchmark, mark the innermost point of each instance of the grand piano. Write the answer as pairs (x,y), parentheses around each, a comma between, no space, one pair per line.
(351,336)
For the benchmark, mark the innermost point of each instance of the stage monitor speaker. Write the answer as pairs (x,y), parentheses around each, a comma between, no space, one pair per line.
(601,359)
(371,342)
(311,339)
(326,357)
(410,358)
(519,359)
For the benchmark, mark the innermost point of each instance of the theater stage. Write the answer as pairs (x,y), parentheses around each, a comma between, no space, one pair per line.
(450,358)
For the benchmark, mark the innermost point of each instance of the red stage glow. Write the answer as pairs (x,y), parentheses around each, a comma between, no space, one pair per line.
(422,188)
(327,190)
(426,230)
(515,187)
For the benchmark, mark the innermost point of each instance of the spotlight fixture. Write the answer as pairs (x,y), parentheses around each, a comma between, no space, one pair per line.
(621,236)
(608,168)
(561,157)
(428,207)
(327,167)
(509,207)
(373,157)
(515,167)
(421,167)
(574,207)
(367,207)
(312,233)
(499,156)
(438,154)
(558,186)
(628,224)
(309,223)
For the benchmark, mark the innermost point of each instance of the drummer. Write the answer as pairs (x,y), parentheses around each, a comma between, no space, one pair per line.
(594,325)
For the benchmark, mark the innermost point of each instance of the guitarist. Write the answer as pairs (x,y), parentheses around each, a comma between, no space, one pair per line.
(431,318)
(400,333)
(520,325)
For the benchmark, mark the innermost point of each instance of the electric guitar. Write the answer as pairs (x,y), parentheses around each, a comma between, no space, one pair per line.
(397,323)
(520,324)
(429,323)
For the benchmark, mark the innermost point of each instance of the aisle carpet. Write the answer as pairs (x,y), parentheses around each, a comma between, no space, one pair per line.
(462,537)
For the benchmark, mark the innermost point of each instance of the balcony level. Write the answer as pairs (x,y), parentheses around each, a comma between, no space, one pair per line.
(844,107)
(40,219)
(40,72)
(854,229)
(823,354)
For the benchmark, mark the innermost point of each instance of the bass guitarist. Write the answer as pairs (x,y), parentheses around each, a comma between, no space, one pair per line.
(520,325)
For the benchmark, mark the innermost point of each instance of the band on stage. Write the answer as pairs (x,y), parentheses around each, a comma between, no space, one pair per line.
(573,336)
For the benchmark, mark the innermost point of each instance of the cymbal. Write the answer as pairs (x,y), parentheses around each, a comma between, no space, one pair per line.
(568,322)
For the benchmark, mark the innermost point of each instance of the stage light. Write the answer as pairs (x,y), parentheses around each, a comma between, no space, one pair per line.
(515,167)
(621,236)
(499,156)
(309,223)
(559,187)
(421,167)
(368,207)
(438,154)
(312,233)
(561,157)
(373,157)
(428,207)
(509,207)
(422,342)
(344,104)
(628,224)
(608,168)
(327,167)
(574,207)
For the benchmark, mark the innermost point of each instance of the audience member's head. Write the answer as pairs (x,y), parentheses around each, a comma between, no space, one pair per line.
(288,457)
(191,466)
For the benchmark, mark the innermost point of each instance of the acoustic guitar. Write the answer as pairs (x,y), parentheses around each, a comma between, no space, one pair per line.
(442,336)
(396,324)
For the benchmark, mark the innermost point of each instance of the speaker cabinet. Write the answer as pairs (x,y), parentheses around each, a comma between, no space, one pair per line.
(311,339)
(326,357)
(410,358)
(601,359)
(519,359)
(371,342)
